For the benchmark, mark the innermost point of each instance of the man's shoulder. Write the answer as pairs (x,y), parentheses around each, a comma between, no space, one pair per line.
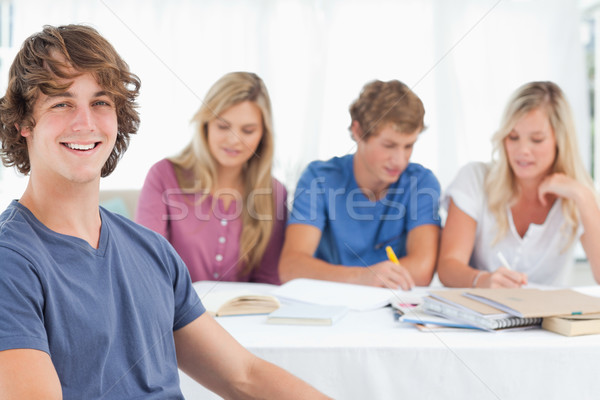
(14,224)
(126,233)
(421,173)
(18,235)
(418,169)
(336,167)
(126,226)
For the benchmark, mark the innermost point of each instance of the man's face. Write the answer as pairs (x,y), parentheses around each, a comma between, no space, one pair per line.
(385,155)
(74,133)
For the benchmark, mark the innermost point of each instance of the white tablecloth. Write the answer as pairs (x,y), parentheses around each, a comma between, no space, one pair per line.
(368,355)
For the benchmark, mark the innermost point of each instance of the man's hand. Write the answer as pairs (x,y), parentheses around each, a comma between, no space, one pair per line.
(386,274)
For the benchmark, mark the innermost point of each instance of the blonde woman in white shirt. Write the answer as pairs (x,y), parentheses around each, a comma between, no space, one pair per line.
(530,204)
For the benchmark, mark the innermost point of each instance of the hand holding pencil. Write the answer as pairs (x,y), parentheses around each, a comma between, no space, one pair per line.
(391,255)
(506,276)
(388,274)
(408,281)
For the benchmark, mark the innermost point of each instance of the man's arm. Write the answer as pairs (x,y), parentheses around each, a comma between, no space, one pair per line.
(421,253)
(211,356)
(28,374)
(297,261)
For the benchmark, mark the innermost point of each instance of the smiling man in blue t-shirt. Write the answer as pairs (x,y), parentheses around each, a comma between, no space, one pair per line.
(93,305)
(347,210)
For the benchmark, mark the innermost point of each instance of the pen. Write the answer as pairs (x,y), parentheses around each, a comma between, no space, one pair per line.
(391,255)
(503,261)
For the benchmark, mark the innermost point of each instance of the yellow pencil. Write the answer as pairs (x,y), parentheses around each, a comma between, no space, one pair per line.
(391,255)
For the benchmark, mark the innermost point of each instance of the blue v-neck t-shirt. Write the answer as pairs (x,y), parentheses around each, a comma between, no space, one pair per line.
(105,316)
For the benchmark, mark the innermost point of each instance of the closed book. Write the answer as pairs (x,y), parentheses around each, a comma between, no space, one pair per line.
(456,298)
(236,302)
(573,325)
(307,314)
(526,302)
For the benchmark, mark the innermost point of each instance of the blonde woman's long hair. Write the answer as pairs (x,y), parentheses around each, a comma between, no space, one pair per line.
(257,223)
(500,182)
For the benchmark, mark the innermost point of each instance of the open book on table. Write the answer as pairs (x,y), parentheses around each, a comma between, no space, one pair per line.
(236,302)
(453,305)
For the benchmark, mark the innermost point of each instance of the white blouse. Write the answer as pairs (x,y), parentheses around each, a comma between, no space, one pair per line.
(540,253)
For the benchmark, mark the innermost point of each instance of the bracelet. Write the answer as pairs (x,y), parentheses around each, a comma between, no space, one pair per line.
(474,284)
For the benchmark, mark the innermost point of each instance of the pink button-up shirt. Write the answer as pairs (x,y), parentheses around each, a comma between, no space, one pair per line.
(205,234)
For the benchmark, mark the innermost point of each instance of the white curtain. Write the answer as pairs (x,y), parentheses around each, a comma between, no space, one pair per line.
(462,57)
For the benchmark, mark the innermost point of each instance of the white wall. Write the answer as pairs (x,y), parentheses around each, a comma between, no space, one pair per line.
(462,57)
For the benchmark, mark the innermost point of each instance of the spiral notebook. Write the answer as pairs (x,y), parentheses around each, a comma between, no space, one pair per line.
(453,305)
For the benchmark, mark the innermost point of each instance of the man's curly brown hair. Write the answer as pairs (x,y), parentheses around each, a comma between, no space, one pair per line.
(42,65)
(381,103)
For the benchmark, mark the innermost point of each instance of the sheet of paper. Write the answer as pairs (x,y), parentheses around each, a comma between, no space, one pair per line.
(355,297)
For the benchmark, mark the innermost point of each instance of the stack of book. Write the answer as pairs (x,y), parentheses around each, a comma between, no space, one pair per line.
(562,311)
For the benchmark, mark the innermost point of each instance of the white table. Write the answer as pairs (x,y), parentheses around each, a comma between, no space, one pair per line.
(367,355)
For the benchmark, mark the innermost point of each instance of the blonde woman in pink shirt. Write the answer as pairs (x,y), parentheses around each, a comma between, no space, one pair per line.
(216,201)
